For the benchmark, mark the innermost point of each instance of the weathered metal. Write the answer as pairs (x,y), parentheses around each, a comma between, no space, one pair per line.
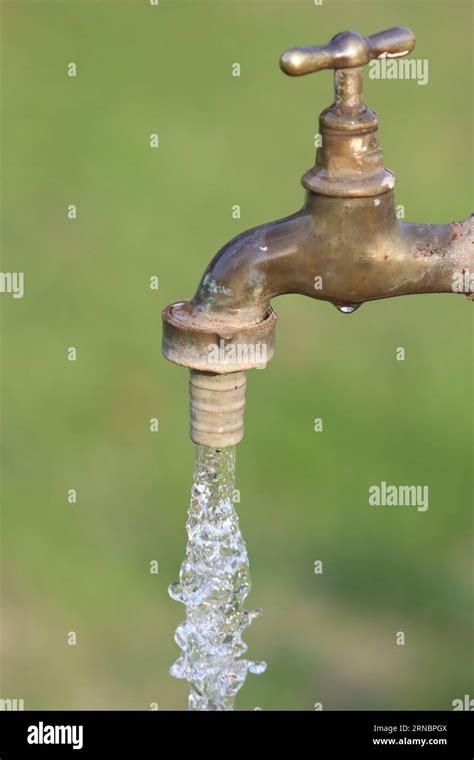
(346,245)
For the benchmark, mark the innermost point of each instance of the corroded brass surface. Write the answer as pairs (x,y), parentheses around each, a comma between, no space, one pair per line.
(345,245)
(219,344)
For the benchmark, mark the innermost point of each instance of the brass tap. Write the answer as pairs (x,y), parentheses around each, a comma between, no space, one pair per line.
(346,245)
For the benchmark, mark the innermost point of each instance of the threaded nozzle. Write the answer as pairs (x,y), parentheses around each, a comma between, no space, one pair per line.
(217,404)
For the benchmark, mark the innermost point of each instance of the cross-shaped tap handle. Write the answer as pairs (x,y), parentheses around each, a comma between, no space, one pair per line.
(348,50)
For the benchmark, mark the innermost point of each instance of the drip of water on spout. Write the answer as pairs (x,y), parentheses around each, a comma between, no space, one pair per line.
(348,309)
(214,582)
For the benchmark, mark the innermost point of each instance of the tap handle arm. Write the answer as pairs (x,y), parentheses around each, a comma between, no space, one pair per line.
(348,50)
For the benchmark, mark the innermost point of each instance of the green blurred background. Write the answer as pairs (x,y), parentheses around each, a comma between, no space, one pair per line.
(327,638)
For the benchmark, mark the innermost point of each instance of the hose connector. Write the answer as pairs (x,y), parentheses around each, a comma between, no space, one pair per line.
(217,404)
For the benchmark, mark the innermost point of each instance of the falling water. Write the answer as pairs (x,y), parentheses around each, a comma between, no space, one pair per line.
(214,582)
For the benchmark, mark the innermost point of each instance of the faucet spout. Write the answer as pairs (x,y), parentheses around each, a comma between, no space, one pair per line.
(342,250)
(248,271)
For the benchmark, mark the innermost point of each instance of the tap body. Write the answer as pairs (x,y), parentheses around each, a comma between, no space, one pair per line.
(343,250)
(346,246)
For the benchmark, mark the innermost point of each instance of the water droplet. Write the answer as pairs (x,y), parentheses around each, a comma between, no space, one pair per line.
(349,309)
(175,592)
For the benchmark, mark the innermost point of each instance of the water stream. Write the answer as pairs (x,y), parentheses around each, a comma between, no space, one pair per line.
(214,582)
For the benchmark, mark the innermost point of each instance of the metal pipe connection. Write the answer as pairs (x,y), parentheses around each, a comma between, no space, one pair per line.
(217,404)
